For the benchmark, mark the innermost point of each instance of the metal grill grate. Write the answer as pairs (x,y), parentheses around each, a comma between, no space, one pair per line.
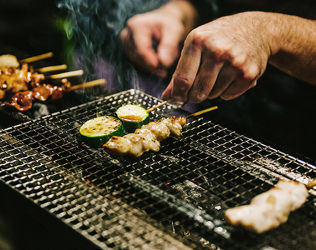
(173,199)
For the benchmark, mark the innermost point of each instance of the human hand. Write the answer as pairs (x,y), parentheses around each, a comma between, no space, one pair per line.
(167,26)
(221,58)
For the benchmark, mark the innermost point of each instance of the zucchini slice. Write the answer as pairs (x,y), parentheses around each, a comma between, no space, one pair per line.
(97,131)
(132,117)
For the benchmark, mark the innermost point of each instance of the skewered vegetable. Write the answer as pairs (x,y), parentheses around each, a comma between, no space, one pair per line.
(132,117)
(98,131)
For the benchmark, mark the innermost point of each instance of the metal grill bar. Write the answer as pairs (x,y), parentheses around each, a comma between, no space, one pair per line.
(173,198)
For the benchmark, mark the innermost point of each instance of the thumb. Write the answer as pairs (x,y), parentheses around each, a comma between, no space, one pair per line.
(166,95)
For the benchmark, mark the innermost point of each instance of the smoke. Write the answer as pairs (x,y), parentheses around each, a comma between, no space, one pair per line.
(95,27)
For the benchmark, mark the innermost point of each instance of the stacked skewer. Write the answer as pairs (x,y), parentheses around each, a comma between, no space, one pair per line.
(23,85)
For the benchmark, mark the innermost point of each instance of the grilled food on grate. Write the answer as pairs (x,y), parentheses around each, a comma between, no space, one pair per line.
(41,92)
(146,138)
(270,209)
(13,80)
(97,131)
(44,91)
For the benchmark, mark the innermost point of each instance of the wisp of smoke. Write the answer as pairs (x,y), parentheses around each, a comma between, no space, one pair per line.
(96,25)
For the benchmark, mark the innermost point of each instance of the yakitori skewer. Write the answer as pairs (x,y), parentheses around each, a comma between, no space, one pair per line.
(37,58)
(22,101)
(149,136)
(268,210)
(13,80)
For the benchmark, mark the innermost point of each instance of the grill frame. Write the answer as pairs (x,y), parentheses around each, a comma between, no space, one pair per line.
(41,154)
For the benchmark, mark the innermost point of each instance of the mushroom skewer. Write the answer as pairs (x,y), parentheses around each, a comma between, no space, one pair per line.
(148,137)
(268,210)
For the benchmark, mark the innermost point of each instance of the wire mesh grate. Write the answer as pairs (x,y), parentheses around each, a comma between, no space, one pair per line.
(173,199)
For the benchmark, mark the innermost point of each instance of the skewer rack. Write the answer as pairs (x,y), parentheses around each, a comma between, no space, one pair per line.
(174,198)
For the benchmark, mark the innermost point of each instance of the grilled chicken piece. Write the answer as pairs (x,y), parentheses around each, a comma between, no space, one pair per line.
(118,146)
(150,137)
(146,138)
(13,80)
(138,144)
(270,209)
(8,61)
(41,92)
(158,130)
(22,101)
(174,124)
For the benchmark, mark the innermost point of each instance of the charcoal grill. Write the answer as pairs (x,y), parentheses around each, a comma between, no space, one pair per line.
(173,199)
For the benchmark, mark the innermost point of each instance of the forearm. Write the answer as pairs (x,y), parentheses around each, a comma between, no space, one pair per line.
(293,45)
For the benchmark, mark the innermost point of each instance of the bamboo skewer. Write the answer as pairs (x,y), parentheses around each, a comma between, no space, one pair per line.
(157,106)
(66,74)
(195,114)
(52,68)
(37,58)
(88,84)
(203,111)
(311,184)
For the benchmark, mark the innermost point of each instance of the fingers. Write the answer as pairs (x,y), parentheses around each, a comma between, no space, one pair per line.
(236,89)
(205,81)
(168,49)
(185,73)
(166,95)
(138,47)
(213,80)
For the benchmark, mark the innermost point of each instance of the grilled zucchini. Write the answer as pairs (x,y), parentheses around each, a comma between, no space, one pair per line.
(97,131)
(132,117)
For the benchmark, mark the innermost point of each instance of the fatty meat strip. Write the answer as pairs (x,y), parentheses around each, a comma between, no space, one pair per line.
(270,209)
(146,138)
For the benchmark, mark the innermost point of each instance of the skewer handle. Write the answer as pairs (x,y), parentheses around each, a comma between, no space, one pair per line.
(37,58)
(67,74)
(311,184)
(88,84)
(52,68)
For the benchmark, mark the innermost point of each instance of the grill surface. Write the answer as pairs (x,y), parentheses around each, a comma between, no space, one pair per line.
(173,199)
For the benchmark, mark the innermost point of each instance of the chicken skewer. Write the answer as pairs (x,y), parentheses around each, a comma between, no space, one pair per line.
(13,80)
(270,209)
(22,101)
(148,137)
